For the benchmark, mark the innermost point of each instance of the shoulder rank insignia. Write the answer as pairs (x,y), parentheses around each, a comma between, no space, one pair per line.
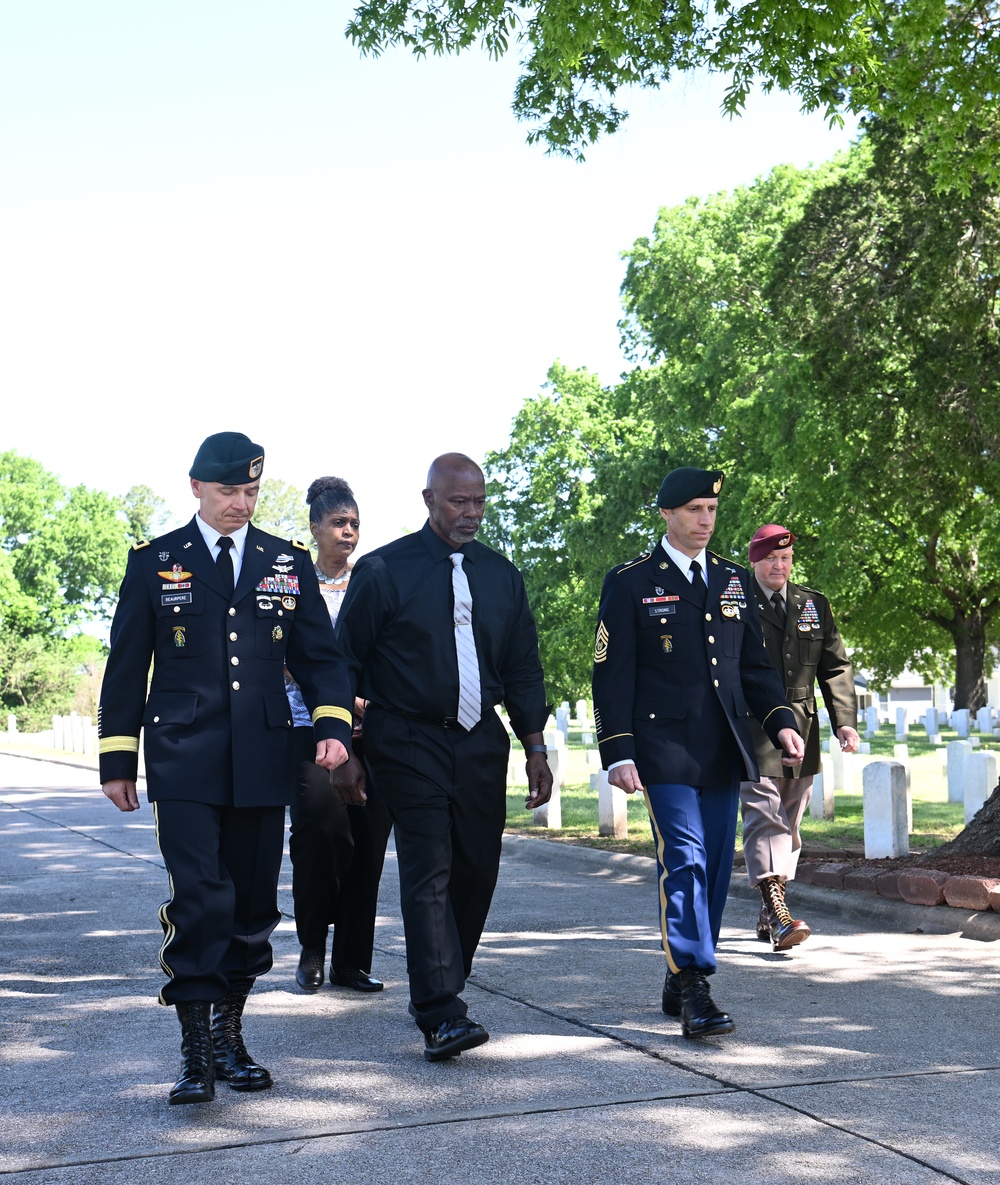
(632,563)
(140,544)
(300,545)
(601,643)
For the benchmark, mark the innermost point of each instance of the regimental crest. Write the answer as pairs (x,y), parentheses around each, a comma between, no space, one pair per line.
(601,643)
(277,634)
(658,591)
(164,556)
(667,641)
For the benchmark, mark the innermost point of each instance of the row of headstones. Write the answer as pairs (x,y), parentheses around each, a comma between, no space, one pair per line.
(69,734)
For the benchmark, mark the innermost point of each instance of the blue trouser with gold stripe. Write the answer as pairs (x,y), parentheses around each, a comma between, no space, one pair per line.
(695,832)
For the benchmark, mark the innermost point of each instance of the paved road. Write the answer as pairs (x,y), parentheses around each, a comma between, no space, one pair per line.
(866,1056)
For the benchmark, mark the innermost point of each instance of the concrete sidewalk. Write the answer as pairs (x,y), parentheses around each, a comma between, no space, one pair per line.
(868,1055)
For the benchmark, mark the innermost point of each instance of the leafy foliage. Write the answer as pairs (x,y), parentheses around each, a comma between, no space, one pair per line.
(828,337)
(62,557)
(931,64)
(282,510)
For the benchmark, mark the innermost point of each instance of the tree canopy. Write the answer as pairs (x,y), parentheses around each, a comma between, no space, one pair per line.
(827,337)
(62,557)
(930,64)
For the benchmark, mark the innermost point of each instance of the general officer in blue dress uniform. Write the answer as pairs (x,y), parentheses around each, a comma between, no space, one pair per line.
(679,664)
(220,608)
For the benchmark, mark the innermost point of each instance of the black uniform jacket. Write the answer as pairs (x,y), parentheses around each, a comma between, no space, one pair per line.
(217,724)
(809,647)
(675,680)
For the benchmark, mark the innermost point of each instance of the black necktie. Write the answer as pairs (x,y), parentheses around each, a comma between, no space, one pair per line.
(697,581)
(779,608)
(224,564)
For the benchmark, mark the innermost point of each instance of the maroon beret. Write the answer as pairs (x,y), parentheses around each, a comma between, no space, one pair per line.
(771,537)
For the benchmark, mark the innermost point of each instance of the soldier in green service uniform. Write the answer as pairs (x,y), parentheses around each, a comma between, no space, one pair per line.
(805,646)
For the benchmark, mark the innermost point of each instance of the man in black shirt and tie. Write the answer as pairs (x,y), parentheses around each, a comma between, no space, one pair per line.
(437,632)
(219,607)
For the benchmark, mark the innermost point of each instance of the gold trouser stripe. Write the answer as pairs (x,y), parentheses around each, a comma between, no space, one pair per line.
(168,926)
(335,713)
(661,886)
(119,745)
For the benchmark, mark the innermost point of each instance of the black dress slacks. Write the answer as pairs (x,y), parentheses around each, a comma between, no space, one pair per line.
(337,855)
(446,790)
(223,864)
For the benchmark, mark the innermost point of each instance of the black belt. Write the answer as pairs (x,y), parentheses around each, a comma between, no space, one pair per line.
(440,721)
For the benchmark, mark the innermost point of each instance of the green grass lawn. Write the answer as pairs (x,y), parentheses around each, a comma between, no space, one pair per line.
(935,820)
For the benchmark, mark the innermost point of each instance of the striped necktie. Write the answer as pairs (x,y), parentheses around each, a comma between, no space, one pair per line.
(470,705)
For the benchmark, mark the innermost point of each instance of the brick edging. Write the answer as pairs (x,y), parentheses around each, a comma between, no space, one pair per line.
(915,885)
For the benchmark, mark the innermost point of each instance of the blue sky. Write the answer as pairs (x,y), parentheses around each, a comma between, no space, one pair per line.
(219,216)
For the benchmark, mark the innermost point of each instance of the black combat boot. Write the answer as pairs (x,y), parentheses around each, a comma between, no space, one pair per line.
(197,1081)
(232,1062)
(699,1015)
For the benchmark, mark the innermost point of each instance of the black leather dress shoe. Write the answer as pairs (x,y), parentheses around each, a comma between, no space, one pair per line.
(671,996)
(309,975)
(452,1036)
(354,977)
(699,1015)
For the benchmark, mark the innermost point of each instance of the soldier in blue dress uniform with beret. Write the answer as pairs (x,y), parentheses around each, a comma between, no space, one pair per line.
(220,608)
(679,664)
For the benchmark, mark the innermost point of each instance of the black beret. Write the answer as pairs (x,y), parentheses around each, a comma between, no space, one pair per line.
(229,458)
(681,486)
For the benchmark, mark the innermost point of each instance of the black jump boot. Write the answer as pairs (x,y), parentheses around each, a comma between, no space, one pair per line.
(232,1062)
(197,1081)
(699,1015)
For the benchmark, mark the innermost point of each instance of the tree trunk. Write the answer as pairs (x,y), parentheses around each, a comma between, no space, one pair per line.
(969,634)
(980,838)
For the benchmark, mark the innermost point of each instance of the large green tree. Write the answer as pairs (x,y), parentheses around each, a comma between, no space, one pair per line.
(62,556)
(829,338)
(545,515)
(928,63)
(282,510)
(889,294)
